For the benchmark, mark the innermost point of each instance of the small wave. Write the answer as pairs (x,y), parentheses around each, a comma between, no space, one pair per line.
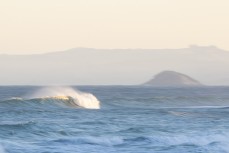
(12,99)
(15,123)
(177,113)
(213,107)
(194,107)
(15,98)
(209,142)
(103,141)
(132,130)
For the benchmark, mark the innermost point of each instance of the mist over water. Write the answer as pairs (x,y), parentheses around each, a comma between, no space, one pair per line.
(130,119)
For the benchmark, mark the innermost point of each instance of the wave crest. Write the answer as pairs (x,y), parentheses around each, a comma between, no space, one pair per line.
(67,95)
(64,96)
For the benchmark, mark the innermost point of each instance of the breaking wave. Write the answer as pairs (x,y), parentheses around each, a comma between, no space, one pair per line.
(62,96)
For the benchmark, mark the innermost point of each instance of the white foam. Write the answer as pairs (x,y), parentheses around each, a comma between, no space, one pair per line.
(82,99)
(2,150)
(104,141)
(16,98)
(205,141)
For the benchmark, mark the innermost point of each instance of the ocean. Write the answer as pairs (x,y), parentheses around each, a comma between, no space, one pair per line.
(114,119)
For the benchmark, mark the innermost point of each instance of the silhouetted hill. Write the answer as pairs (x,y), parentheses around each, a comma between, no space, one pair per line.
(172,79)
(88,66)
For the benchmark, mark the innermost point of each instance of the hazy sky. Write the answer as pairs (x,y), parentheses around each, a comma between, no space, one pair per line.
(34,26)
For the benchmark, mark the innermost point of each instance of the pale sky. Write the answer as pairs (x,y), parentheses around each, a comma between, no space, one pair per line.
(36,26)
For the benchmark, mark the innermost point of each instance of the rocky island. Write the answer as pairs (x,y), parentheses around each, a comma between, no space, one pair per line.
(172,79)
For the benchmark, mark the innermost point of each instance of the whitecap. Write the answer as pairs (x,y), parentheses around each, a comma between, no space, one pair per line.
(67,96)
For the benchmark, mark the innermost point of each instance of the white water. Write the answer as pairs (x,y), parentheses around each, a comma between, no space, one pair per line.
(82,99)
(2,149)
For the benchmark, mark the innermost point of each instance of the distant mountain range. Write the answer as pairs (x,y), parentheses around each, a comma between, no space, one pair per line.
(172,79)
(87,66)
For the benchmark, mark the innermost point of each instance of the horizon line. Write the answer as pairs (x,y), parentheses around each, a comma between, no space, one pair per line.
(194,46)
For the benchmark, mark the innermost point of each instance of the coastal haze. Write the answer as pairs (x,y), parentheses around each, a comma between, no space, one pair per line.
(116,42)
(88,66)
(38,26)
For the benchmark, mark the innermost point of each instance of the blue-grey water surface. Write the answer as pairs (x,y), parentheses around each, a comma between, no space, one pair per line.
(131,119)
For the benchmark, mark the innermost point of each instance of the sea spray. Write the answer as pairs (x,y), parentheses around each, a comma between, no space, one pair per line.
(76,97)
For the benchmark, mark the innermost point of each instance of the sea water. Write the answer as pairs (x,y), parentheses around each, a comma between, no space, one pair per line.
(106,119)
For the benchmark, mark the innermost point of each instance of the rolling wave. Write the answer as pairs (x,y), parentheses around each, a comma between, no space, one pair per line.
(59,96)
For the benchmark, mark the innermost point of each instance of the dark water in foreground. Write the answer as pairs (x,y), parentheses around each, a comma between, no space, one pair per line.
(131,119)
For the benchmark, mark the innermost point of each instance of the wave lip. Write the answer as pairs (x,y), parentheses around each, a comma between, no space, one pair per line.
(68,96)
(64,96)
(88,101)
